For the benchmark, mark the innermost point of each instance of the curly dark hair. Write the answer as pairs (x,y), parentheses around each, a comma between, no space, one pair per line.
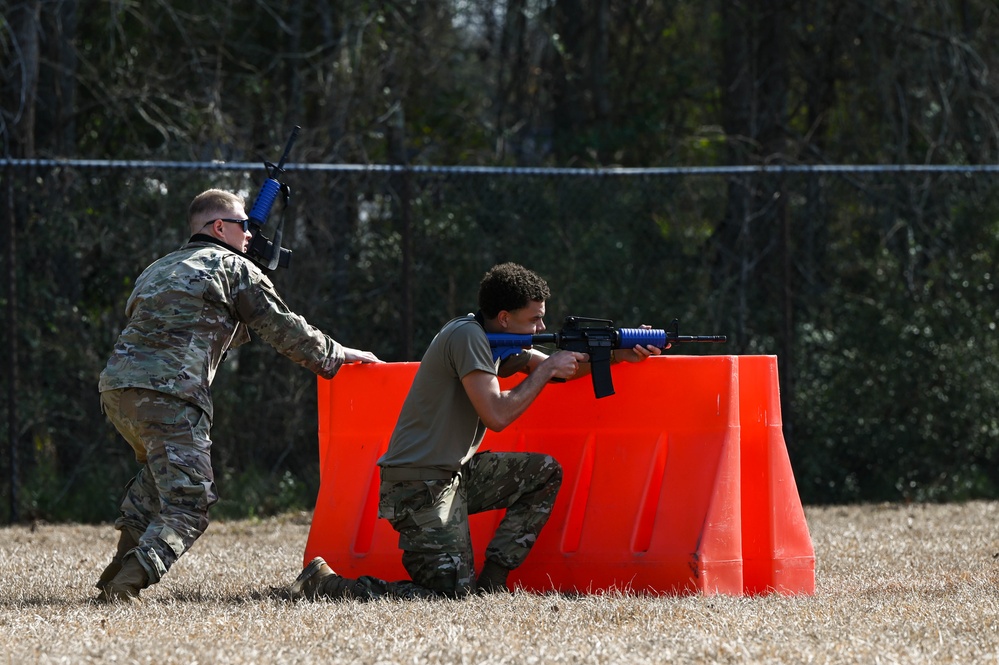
(509,286)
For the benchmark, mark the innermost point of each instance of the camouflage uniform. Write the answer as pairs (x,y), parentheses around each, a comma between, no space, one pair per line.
(433,478)
(431,516)
(187,310)
(166,504)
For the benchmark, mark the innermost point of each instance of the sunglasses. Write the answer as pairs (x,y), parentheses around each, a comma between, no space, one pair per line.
(244,222)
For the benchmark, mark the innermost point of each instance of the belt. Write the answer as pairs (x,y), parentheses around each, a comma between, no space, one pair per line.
(396,473)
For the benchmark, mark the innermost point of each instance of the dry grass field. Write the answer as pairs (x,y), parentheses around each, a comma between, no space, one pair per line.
(894,584)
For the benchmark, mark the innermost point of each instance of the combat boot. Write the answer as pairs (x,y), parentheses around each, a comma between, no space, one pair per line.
(493,578)
(318,579)
(126,542)
(127,584)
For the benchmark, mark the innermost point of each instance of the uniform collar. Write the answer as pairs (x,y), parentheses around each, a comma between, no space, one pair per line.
(204,237)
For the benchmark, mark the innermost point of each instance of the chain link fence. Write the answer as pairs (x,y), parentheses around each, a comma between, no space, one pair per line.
(872,285)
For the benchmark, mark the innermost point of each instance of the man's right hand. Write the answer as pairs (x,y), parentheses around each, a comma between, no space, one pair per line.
(565,364)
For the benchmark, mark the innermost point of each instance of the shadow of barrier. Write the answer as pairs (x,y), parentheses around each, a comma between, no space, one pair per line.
(680,483)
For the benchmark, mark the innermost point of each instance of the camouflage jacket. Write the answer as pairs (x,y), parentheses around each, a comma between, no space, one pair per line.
(191,306)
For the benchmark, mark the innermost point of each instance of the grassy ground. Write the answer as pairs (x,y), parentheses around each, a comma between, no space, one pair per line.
(894,584)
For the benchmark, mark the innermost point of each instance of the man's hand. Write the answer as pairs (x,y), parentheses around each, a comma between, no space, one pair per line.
(356,355)
(639,353)
(565,364)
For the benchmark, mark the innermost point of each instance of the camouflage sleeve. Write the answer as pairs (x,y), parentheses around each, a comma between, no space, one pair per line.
(259,306)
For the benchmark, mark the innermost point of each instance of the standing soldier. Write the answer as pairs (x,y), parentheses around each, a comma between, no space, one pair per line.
(187,309)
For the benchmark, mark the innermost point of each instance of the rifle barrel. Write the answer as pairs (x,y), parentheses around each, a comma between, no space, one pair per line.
(287,148)
(699,338)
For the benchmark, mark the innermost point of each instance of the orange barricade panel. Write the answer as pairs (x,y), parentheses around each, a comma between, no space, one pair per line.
(678,483)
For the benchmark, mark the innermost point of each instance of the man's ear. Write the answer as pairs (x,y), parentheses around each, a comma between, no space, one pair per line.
(503,319)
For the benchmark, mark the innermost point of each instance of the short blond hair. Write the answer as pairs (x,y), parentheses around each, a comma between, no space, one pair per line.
(211,203)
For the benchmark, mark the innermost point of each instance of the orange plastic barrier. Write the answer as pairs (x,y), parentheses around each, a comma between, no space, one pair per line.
(680,483)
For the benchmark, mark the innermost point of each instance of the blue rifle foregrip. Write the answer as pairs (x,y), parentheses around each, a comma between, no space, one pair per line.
(629,337)
(262,207)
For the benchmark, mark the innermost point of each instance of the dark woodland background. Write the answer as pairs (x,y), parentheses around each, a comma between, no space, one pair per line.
(813,179)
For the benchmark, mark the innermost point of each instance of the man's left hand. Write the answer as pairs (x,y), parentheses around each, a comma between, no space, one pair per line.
(356,355)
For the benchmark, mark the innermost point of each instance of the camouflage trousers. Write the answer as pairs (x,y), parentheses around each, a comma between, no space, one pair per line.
(166,504)
(431,517)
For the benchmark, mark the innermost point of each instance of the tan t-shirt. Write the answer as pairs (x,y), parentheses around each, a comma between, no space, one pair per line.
(438,427)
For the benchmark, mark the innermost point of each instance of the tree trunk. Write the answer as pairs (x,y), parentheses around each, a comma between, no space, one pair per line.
(20,92)
(748,241)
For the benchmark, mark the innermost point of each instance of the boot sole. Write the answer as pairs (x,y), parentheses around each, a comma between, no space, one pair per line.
(110,595)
